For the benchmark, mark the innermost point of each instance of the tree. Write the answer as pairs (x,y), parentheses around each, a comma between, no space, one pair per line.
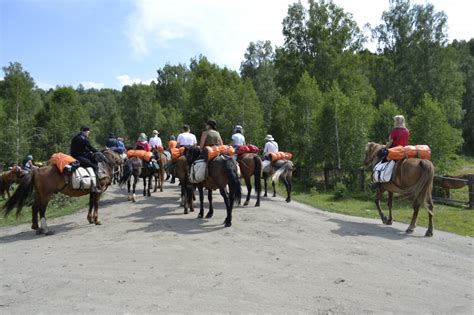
(21,103)
(414,39)
(430,126)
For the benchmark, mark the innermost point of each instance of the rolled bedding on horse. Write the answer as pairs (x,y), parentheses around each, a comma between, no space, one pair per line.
(214,151)
(276,156)
(176,153)
(250,148)
(409,151)
(61,160)
(142,154)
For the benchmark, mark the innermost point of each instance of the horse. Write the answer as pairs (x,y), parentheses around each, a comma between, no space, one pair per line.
(222,172)
(9,177)
(48,180)
(159,174)
(448,182)
(282,169)
(251,165)
(413,178)
(136,167)
(187,188)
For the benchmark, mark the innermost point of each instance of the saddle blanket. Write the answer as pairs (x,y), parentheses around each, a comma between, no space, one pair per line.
(198,171)
(83,178)
(382,172)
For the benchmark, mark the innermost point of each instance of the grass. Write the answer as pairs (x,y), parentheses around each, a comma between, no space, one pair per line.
(60,205)
(454,219)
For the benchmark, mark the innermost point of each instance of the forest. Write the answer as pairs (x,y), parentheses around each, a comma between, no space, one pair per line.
(322,94)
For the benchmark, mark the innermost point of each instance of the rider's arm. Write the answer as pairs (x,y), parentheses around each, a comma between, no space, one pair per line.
(203,139)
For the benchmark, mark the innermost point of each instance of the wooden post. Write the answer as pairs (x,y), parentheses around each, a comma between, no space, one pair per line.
(470,184)
(326,177)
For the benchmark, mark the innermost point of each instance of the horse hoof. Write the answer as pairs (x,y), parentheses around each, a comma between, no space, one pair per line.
(288,200)
(185,211)
(129,198)
(246,203)
(49,233)
(409,231)
(257,204)
(265,195)
(389,222)
(209,215)
(34,227)
(98,222)
(192,210)
(429,233)
(39,231)
(227,223)
(384,220)
(200,216)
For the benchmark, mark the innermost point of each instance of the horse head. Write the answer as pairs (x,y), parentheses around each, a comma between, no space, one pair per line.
(372,150)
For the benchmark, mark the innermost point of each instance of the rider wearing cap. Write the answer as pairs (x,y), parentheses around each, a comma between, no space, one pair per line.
(83,151)
(155,140)
(27,164)
(238,138)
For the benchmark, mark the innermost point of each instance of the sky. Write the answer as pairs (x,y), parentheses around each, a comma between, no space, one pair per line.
(112,43)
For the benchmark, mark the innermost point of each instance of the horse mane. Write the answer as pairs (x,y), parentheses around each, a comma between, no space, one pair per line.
(371,151)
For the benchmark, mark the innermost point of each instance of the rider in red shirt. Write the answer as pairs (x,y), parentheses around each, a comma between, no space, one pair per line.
(399,134)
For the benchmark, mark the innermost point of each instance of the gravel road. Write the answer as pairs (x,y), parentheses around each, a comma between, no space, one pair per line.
(149,257)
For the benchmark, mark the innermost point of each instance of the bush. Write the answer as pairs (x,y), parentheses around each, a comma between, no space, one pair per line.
(340,191)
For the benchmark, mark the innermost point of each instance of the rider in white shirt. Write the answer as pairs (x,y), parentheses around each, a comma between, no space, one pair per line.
(238,138)
(186,138)
(270,147)
(155,140)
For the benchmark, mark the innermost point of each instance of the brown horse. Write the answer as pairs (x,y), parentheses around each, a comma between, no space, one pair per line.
(46,181)
(9,177)
(251,165)
(187,188)
(160,174)
(222,172)
(413,178)
(448,182)
(282,169)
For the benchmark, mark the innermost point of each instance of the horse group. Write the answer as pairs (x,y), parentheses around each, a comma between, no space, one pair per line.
(413,179)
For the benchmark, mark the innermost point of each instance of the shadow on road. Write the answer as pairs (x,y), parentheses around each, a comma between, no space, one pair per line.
(347,228)
(31,235)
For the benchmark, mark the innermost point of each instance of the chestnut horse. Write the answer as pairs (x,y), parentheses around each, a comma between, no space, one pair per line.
(9,177)
(222,172)
(282,169)
(187,188)
(413,178)
(46,181)
(251,165)
(160,174)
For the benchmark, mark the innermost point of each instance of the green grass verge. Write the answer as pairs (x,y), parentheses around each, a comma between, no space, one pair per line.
(60,205)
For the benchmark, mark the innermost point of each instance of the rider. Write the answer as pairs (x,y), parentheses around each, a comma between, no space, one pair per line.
(114,144)
(83,151)
(238,138)
(186,138)
(271,146)
(142,144)
(399,135)
(155,140)
(27,164)
(172,142)
(210,136)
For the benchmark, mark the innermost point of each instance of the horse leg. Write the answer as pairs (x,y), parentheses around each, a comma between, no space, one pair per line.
(274,190)
(35,210)
(184,201)
(390,204)
(149,186)
(201,200)
(211,207)
(288,189)
(91,205)
(429,232)
(412,226)
(96,209)
(190,197)
(44,227)
(378,196)
(128,185)
(155,177)
(228,205)
(135,180)
(249,190)
(162,179)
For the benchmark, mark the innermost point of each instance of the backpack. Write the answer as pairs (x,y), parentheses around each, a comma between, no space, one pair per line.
(84,178)
(198,171)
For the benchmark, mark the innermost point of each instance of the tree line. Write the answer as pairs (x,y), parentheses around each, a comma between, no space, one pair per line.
(321,94)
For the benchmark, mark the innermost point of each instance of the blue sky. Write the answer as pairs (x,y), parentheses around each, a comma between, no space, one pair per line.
(110,43)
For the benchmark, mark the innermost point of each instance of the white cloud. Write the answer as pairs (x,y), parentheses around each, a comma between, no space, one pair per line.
(92,85)
(222,28)
(44,85)
(125,79)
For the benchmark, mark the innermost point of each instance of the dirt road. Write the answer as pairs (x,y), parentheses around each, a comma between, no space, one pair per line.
(148,257)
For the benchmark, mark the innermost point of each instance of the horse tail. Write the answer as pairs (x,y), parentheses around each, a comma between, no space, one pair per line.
(420,192)
(257,173)
(127,173)
(282,171)
(235,190)
(21,194)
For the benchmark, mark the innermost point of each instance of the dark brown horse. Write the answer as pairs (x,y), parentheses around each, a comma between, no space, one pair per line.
(251,165)
(222,172)
(160,173)
(413,178)
(279,170)
(46,181)
(9,177)
(187,188)
(137,168)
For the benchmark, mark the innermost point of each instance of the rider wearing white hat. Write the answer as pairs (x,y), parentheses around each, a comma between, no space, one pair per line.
(155,140)
(270,147)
